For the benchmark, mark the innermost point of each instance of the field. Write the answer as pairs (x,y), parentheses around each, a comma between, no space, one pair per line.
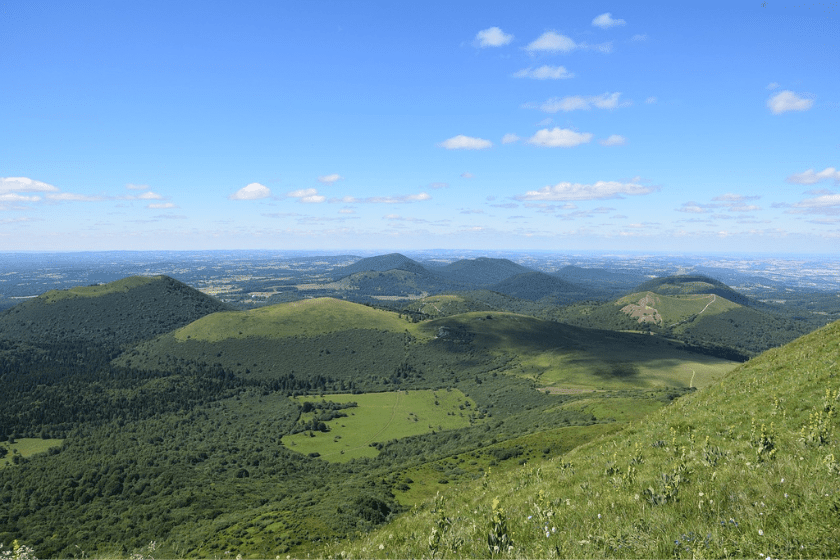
(380,417)
(26,447)
(673,309)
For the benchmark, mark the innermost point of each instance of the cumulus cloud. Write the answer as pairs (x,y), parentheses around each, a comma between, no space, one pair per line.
(24,184)
(252,191)
(330,179)
(559,138)
(578,103)
(15,197)
(544,72)
(787,100)
(307,196)
(826,204)
(605,21)
(462,142)
(614,140)
(579,191)
(509,138)
(73,197)
(809,177)
(403,199)
(552,42)
(492,37)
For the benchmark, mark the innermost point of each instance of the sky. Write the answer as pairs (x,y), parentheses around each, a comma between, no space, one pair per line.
(696,127)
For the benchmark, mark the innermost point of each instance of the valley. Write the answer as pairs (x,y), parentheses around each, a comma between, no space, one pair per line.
(290,407)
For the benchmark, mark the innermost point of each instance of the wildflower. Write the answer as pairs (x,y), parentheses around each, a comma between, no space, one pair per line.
(760,533)
(381,547)
(554,529)
(547,534)
(599,516)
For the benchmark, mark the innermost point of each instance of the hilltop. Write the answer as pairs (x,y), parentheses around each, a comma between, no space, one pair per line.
(698,310)
(539,286)
(481,272)
(743,468)
(381,263)
(121,312)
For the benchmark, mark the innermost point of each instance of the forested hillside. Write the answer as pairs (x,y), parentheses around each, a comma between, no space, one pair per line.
(121,312)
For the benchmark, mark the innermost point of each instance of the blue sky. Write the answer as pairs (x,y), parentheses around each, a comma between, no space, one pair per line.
(689,126)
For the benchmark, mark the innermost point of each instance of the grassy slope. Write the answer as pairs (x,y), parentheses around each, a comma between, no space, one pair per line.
(308,317)
(98,290)
(554,354)
(747,467)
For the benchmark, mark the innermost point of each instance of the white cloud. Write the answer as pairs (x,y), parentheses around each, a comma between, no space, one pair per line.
(72,197)
(462,142)
(651,100)
(307,196)
(824,201)
(559,138)
(786,101)
(605,21)
(467,175)
(729,197)
(149,196)
(809,177)
(161,205)
(346,211)
(552,42)
(24,184)
(579,191)
(639,37)
(403,199)
(614,140)
(544,72)
(252,191)
(509,138)
(330,179)
(578,102)
(133,187)
(439,185)
(15,197)
(492,37)
(772,85)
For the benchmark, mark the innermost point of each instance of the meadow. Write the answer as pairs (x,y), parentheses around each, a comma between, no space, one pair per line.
(23,448)
(379,417)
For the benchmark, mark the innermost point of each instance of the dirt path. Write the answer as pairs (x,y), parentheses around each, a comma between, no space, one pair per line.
(714,298)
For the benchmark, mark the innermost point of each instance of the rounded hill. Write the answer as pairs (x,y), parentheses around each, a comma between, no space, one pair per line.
(121,312)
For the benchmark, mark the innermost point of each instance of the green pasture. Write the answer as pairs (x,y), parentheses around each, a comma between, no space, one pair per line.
(381,417)
(123,285)
(309,317)
(26,447)
(558,355)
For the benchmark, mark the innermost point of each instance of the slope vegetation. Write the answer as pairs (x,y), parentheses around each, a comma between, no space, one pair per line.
(121,312)
(747,467)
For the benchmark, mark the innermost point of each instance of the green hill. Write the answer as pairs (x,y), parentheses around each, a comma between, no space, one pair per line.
(539,286)
(481,272)
(697,310)
(121,312)
(693,284)
(747,467)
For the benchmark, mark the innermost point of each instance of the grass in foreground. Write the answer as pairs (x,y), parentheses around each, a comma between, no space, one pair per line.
(747,467)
